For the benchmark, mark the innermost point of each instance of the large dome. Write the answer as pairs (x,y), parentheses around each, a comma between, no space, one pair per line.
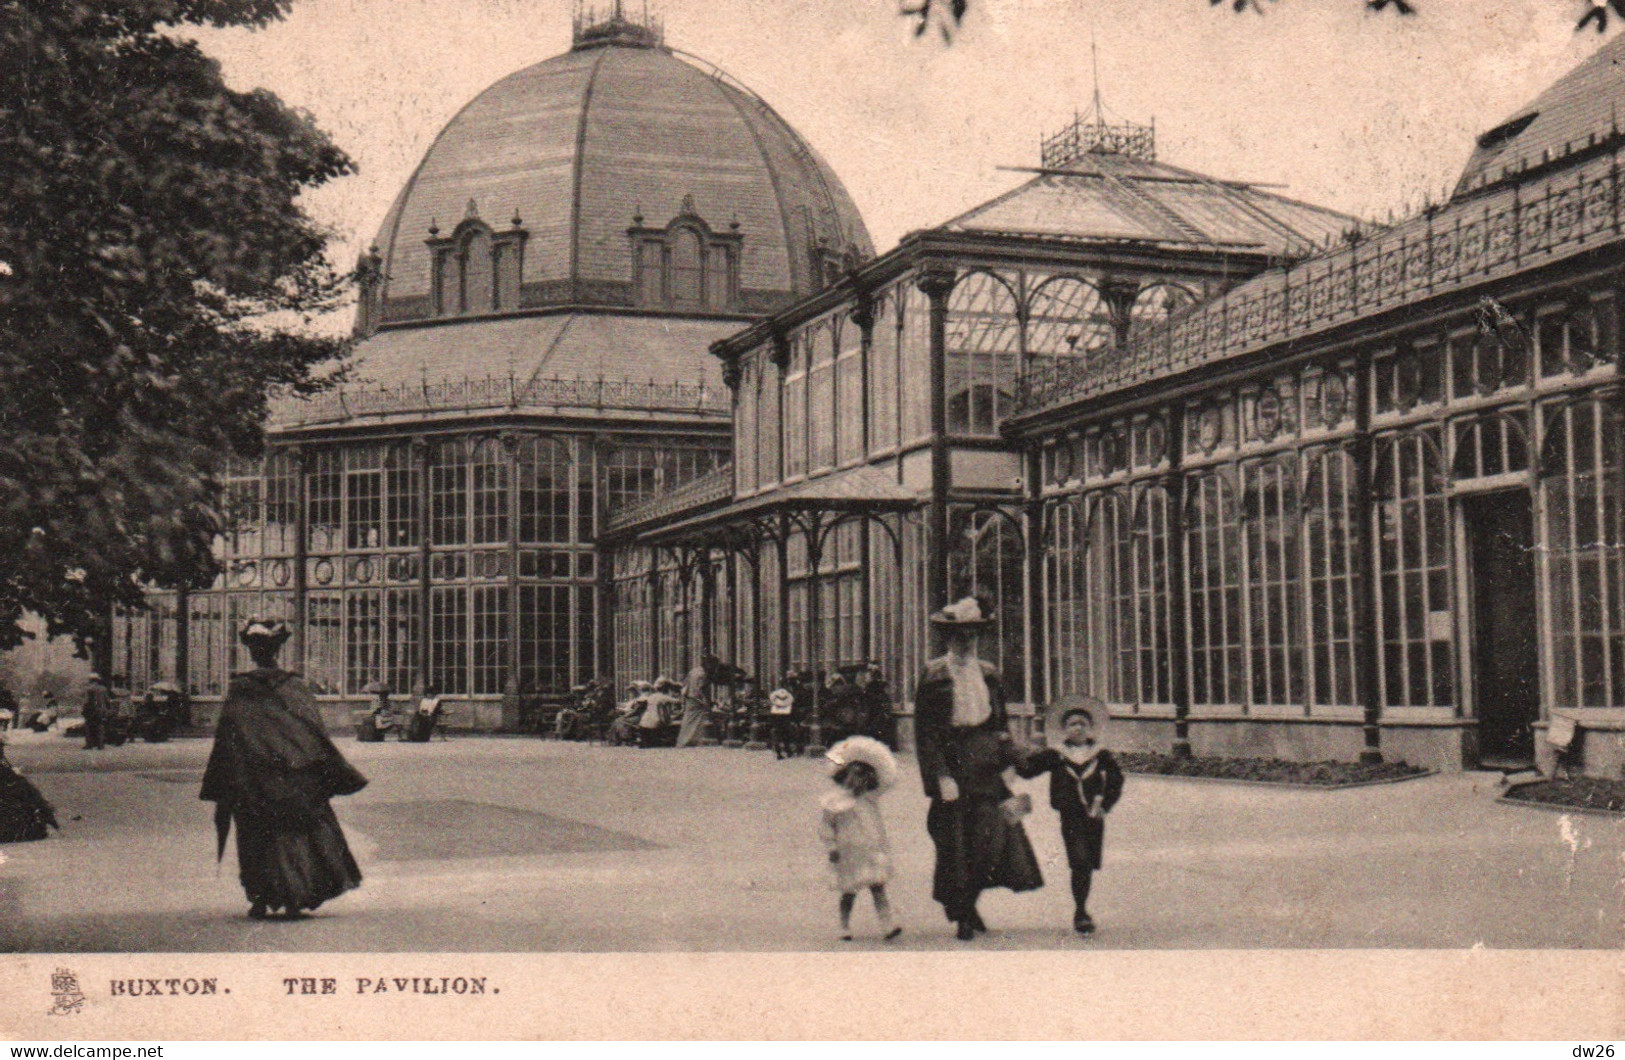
(570,160)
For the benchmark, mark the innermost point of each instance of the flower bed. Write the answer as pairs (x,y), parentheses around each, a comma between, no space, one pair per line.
(1269,770)
(1580,793)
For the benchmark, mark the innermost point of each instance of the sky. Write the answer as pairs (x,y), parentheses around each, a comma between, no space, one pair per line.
(1359,111)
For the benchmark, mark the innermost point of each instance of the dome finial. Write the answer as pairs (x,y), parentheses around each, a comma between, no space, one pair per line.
(473,211)
(592,30)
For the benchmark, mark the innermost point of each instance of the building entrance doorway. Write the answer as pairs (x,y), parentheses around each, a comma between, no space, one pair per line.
(1505,662)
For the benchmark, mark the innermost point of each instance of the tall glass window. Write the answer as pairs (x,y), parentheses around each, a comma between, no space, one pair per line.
(795,412)
(448,492)
(914,360)
(490,641)
(1581,465)
(1415,613)
(770,433)
(1330,540)
(401,500)
(489,475)
(983,346)
(883,396)
(1270,497)
(448,638)
(987,559)
(821,414)
(849,397)
(364,497)
(544,490)
(745,449)
(1218,669)
(324,499)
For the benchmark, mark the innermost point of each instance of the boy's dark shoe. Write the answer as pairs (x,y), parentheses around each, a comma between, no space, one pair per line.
(966,932)
(975,921)
(1083,924)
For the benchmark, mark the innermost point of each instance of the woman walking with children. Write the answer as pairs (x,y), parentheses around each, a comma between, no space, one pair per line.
(964,748)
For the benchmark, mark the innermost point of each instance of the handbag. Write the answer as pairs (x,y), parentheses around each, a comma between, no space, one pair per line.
(1016,807)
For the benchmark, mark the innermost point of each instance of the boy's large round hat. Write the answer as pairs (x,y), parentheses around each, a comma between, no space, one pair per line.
(971,612)
(1055,716)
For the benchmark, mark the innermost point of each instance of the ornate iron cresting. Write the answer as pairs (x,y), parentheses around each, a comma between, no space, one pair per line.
(707,489)
(348,403)
(1450,249)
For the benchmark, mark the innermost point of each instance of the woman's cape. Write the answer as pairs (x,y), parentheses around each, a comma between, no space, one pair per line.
(269,728)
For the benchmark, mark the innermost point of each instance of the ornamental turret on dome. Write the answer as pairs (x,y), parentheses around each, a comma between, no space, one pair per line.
(589,29)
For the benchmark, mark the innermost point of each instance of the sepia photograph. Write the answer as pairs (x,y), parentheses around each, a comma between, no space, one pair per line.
(773,519)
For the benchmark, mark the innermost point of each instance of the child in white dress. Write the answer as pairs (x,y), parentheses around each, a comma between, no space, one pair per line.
(853,832)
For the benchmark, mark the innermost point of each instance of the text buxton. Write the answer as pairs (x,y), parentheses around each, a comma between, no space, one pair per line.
(163,987)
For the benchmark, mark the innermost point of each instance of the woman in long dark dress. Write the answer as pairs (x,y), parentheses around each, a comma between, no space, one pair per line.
(272,771)
(964,747)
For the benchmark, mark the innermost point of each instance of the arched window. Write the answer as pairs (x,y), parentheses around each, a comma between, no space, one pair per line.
(1492,445)
(544,491)
(476,269)
(489,479)
(983,343)
(1156,303)
(479,290)
(1066,318)
(987,558)
(685,265)
(687,276)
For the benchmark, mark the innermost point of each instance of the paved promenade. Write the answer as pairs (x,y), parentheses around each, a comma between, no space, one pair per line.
(526,845)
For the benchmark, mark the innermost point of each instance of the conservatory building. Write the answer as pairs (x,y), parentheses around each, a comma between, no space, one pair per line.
(1369,503)
(534,329)
(872,479)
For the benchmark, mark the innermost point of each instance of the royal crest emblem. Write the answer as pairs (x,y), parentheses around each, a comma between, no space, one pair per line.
(69,999)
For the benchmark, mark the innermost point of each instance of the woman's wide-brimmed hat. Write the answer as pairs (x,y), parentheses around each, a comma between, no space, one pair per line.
(972,612)
(871,752)
(264,632)
(1055,717)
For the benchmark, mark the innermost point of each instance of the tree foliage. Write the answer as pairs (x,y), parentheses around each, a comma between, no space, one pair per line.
(948,14)
(149,226)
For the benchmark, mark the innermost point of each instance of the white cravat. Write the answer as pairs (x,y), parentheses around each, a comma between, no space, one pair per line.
(971,703)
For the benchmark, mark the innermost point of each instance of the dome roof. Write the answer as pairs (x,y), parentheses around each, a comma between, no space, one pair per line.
(618,134)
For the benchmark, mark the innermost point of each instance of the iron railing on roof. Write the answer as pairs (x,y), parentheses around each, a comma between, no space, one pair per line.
(1443,250)
(356,401)
(716,486)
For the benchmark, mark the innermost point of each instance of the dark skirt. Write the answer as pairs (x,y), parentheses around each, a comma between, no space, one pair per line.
(295,870)
(977,848)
